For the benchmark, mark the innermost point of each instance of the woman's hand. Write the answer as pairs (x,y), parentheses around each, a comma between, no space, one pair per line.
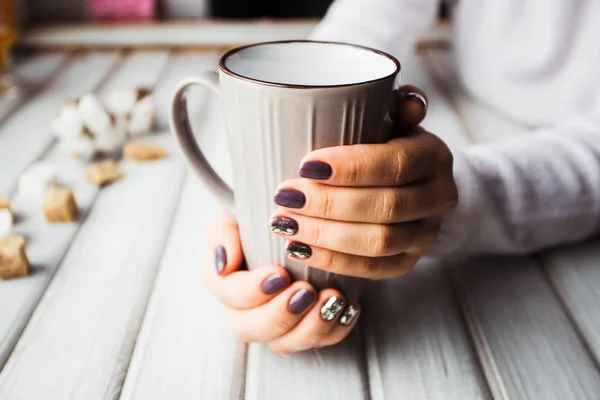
(369,211)
(265,306)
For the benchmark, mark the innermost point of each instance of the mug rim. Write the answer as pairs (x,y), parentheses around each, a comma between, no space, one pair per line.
(227,54)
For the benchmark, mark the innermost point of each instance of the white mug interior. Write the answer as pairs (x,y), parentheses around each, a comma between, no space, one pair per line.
(306,63)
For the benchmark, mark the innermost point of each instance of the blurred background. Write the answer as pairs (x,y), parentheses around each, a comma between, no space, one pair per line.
(43,11)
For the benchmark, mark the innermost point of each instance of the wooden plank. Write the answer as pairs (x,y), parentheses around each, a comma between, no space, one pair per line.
(528,346)
(481,123)
(25,136)
(186,348)
(203,34)
(335,373)
(48,243)
(90,329)
(417,344)
(31,74)
(575,274)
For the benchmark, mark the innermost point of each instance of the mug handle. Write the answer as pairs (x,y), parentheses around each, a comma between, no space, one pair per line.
(180,126)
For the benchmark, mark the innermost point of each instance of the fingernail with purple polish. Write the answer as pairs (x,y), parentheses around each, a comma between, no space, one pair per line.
(273,284)
(300,301)
(220,259)
(284,226)
(298,250)
(315,170)
(289,198)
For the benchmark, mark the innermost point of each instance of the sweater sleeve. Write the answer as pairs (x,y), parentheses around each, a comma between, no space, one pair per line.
(526,194)
(392,26)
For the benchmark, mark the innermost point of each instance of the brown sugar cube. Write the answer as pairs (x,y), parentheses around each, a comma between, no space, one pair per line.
(4,202)
(13,260)
(140,151)
(103,173)
(60,205)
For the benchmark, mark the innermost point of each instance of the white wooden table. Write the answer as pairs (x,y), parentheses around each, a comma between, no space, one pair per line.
(115,307)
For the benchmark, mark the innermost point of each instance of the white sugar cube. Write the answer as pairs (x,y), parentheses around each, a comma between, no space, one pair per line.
(93,114)
(6,222)
(34,181)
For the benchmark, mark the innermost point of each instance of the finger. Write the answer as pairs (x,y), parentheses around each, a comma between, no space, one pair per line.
(400,161)
(314,327)
(224,242)
(412,108)
(277,317)
(382,205)
(222,275)
(351,265)
(346,322)
(369,240)
(247,289)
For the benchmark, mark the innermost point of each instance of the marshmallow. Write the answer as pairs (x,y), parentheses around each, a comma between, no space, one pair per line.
(142,117)
(68,125)
(81,146)
(93,114)
(121,102)
(134,109)
(34,181)
(6,222)
(110,140)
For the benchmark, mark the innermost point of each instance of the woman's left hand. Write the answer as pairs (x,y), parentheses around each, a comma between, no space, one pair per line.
(369,210)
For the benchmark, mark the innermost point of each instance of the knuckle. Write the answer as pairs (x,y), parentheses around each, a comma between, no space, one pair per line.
(318,233)
(354,166)
(381,241)
(326,209)
(394,204)
(401,159)
(329,261)
(366,269)
(279,326)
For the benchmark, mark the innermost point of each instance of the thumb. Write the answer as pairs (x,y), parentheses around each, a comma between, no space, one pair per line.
(412,109)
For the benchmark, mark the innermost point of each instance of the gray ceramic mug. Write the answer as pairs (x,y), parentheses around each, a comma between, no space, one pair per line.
(283,100)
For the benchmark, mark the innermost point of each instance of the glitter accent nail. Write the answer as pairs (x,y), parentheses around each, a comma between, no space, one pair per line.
(284,226)
(332,308)
(298,250)
(348,315)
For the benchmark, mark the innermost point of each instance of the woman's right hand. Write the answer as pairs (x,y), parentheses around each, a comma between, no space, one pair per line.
(263,304)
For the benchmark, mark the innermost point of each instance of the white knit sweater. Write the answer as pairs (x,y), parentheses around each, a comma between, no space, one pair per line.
(538,61)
